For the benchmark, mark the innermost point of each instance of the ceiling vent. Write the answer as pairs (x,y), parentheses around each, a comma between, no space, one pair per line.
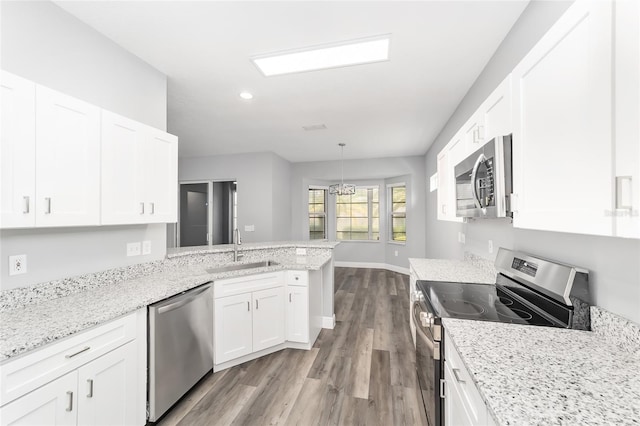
(314,127)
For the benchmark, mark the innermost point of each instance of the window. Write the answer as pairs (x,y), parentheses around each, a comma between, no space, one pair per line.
(317,214)
(358,215)
(398,213)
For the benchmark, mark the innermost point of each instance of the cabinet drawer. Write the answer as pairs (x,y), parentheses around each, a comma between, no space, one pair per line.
(473,402)
(52,361)
(246,284)
(297,278)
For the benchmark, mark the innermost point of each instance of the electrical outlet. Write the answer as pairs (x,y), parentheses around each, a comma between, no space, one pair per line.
(134,249)
(18,264)
(461,238)
(490,246)
(301,251)
(249,228)
(396,253)
(146,247)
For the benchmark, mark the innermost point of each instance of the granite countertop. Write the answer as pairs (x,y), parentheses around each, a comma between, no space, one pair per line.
(541,376)
(33,325)
(473,269)
(222,248)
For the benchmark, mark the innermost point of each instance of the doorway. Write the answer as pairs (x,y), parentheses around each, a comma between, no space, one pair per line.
(208,213)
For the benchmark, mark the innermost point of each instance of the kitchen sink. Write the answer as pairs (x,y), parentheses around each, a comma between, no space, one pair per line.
(240,266)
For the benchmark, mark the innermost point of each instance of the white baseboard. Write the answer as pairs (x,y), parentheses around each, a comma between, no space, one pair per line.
(372,265)
(329,322)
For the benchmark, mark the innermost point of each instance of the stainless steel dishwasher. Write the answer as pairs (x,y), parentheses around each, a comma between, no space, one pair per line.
(180,346)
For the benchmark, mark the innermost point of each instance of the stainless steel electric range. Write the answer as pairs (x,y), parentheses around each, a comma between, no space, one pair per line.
(528,290)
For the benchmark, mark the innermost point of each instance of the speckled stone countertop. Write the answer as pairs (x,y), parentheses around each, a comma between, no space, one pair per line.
(33,317)
(185,251)
(531,375)
(473,269)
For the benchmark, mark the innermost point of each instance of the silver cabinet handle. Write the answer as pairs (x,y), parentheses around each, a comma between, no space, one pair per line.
(47,202)
(455,373)
(25,204)
(141,208)
(79,352)
(289,297)
(153,208)
(90,383)
(256,304)
(70,406)
(248,306)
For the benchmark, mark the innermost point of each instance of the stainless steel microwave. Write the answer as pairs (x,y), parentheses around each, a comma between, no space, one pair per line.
(484,181)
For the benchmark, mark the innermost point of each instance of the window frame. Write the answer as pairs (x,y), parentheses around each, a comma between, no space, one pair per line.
(391,214)
(321,214)
(369,216)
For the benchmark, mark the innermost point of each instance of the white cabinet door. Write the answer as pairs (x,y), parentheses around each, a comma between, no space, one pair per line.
(496,111)
(161,167)
(123,155)
(233,327)
(562,145)
(67,160)
(52,404)
(627,119)
(17,152)
(448,158)
(268,318)
(297,314)
(473,131)
(107,388)
(455,410)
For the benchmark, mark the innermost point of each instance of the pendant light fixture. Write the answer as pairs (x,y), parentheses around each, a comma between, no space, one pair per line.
(342,188)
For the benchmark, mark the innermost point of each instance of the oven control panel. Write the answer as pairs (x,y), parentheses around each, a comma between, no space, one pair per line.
(526,267)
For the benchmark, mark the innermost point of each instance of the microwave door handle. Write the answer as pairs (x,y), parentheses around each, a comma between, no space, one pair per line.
(474,172)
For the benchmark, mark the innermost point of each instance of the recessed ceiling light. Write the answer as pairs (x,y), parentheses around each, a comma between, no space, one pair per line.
(246,95)
(354,52)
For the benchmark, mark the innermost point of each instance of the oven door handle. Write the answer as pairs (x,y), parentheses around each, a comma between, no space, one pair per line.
(474,174)
(427,338)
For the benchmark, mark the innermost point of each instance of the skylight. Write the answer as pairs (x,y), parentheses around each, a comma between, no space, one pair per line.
(347,53)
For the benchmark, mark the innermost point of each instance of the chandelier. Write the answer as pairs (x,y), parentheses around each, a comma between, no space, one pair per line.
(342,188)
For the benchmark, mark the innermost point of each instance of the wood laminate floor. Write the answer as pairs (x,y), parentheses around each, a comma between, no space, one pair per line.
(360,373)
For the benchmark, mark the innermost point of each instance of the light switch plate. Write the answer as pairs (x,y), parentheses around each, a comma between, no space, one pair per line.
(18,264)
(249,228)
(146,247)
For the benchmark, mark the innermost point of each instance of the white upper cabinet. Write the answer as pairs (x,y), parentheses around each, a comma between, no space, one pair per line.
(17,152)
(67,160)
(161,167)
(496,112)
(123,146)
(451,155)
(562,126)
(139,172)
(627,119)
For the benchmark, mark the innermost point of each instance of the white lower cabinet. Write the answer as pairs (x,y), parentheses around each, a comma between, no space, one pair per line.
(463,405)
(250,317)
(233,324)
(268,318)
(97,377)
(297,301)
(52,404)
(106,388)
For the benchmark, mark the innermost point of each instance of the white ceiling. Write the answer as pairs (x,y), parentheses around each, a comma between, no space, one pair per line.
(386,109)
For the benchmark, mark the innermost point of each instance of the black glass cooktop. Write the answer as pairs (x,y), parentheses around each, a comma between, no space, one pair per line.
(485,302)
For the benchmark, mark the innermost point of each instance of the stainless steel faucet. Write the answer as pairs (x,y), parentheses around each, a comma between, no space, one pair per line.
(236,242)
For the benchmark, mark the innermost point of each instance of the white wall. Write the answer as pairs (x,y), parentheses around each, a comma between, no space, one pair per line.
(378,171)
(43,43)
(613,262)
(259,177)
